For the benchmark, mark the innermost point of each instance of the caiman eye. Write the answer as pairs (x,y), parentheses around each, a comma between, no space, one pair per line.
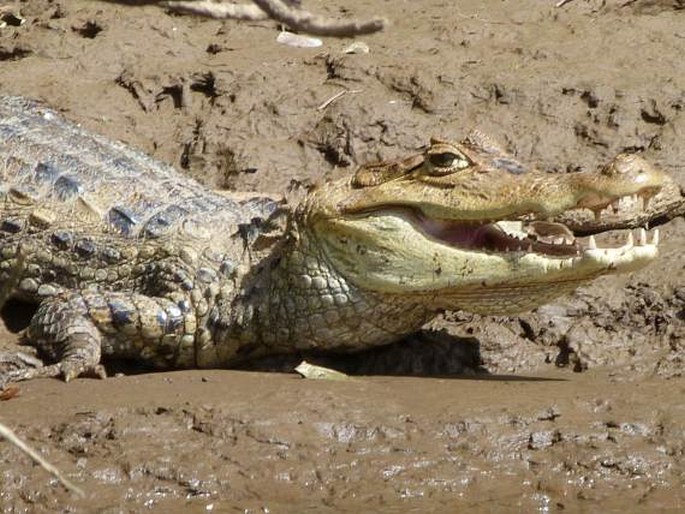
(448,162)
(443,160)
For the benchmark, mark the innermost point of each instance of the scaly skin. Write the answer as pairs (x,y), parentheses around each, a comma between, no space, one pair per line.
(128,258)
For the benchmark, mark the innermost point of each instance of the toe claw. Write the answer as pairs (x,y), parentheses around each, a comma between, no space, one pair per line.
(71,370)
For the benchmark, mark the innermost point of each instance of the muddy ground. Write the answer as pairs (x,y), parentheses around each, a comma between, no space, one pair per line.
(578,407)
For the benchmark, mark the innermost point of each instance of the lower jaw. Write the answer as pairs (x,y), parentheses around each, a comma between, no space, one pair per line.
(506,300)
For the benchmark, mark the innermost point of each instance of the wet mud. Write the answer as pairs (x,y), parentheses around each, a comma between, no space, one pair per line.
(575,407)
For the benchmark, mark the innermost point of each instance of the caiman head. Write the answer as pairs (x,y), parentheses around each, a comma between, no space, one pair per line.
(467,226)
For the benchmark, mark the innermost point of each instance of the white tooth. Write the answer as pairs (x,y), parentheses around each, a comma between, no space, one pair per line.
(592,244)
(655,237)
(630,242)
(643,237)
(633,198)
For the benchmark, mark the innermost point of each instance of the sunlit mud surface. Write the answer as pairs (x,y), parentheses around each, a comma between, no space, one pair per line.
(576,407)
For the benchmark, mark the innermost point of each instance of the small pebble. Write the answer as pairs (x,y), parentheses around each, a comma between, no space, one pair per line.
(358,47)
(298,41)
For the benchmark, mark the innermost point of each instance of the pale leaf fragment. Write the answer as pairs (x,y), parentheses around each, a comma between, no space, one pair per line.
(314,372)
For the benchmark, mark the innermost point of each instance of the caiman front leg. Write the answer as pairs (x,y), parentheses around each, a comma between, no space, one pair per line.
(74,329)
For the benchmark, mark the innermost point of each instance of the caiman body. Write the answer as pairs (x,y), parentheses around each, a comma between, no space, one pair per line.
(129,258)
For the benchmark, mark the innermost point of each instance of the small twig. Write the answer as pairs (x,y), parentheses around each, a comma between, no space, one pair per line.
(561,3)
(8,434)
(295,19)
(215,10)
(304,21)
(339,94)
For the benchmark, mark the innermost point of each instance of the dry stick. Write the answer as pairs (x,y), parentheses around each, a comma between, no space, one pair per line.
(277,10)
(339,94)
(317,25)
(219,11)
(8,434)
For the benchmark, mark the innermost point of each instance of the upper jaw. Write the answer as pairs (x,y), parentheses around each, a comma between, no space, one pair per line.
(484,193)
(471,202)
(472,211)
(629,212)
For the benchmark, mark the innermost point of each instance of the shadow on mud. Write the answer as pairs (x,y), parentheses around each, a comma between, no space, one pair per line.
(427,353)
(17,314)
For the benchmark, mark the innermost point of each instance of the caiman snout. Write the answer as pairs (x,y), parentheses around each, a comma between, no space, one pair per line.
(627,175)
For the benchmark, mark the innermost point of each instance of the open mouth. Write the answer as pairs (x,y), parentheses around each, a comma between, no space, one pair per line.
(541,237)
(553,239)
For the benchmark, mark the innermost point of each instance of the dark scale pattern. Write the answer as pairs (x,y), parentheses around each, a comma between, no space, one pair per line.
(62,239)
(12,225)
(133,193)
(67,188)
(122,218)
(163,221)
(47,172)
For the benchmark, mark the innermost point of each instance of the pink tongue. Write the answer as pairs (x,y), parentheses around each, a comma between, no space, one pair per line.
(489,237)
(458,234)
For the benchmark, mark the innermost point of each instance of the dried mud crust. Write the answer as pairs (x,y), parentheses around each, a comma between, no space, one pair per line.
(583,405)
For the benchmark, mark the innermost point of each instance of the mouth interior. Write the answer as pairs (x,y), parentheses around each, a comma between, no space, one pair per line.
(547,238)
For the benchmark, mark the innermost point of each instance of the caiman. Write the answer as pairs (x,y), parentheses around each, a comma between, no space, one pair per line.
(126,257)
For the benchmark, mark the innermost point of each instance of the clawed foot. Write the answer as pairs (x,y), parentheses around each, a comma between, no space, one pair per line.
(19,366)
(17,360)
(14,364)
